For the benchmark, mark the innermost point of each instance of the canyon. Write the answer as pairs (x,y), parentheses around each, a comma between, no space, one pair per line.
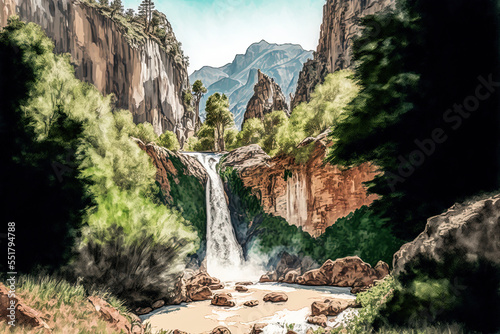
(334,52)
(143,77)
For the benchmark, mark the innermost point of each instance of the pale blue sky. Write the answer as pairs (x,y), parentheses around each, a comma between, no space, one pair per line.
(212,32)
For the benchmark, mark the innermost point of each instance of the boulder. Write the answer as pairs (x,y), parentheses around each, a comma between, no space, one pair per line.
(331,307)
(276,297)
(200,286)
(258,328)
(346,272)
(320,320)
(178,332)
(200,293)
(244,283)
(111,315)
(467,232)
(158,304)
(143,310)
(24,315)
(216,286)
(265,278)
(241,288)
(251,303)
(223,299)
(221,330)
(291,277)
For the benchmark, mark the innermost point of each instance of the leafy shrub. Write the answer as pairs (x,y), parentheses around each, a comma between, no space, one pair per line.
(169,140)
(145,132)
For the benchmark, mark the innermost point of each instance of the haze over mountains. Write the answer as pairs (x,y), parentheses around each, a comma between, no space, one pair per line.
(283,62)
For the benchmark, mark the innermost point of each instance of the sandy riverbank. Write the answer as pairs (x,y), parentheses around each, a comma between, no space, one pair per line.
(201,317)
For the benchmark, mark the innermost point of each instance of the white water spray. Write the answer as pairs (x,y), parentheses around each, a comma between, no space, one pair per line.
(224,254)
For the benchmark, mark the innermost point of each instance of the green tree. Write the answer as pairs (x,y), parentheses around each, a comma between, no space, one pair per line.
(145,132)
(252,133)
(104,3)
(116,7)
(219,117)
(168,139)
(198,91)
(130,14)
(409,118)
(145,11)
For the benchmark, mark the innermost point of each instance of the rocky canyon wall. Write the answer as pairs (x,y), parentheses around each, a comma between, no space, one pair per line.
(340,25)
(312,195)
(143,77)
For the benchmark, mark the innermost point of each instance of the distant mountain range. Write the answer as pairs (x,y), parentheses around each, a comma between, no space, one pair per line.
(283,62)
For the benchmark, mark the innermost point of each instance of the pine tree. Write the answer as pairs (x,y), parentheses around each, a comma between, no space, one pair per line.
(146,12)
(116,7)
(130,13)
(104,3)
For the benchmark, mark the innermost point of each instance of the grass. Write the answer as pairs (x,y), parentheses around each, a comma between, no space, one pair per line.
(64,306)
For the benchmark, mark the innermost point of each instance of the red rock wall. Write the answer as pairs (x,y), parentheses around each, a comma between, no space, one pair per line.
(313,195)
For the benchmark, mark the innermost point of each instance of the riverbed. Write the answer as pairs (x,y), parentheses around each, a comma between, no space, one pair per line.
(202,317)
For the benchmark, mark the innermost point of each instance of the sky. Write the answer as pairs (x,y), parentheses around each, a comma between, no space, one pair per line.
(212,32)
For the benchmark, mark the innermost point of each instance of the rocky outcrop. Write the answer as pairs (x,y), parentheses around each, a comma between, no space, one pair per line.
(467,233)
(15,309)
(340,25)
(311,195)
(162,159)
(194,287)
(267,98)
(223,299)
(346,272)
(144,78)
(332,307)
(116,320)
(276,297)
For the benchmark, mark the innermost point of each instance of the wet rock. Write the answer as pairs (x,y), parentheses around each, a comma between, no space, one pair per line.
(24,315)
(216,286)
(258,328)
(244,283)
(251,303)
(223,299)
(158,304)
(221,330)
(331,307)
(275,297)
(111,315)
(291,276)
(265,278)
(241,288)
(320,320)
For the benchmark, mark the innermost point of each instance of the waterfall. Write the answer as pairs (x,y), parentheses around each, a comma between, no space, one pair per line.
(224,254)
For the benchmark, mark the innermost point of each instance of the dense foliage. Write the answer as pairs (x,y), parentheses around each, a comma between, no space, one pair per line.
(278,134)
(91,188)
(427,112)
(361,233)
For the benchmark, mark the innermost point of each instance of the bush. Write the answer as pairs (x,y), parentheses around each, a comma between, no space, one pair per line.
(169,140)
(145,132)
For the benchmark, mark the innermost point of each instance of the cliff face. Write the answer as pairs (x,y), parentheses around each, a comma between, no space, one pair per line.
(340,25)
(313,195)
(143,77)
(267,98)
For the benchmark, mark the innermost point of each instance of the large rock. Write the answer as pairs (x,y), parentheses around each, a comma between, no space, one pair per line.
(346,272)
(311,195)
(334,52)
(112,316)
(320,320)
(241,288)
(221,330)
(21,313)
(145,78)
(223,299)
(251,303)
(276,297)
(468,232)
(258,328)
(331,307)
(195,288)
(267,98)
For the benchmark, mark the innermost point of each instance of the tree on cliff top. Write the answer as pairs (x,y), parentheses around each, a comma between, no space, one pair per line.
(116,7)
(219,117)
(198,91)
(146,12)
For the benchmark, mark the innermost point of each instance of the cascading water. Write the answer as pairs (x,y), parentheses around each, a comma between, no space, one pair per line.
(224,254)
